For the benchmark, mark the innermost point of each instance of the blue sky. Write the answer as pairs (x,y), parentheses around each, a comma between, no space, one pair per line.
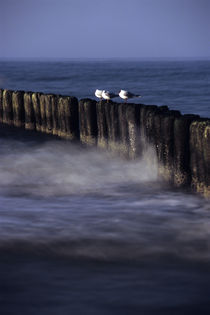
(105,29)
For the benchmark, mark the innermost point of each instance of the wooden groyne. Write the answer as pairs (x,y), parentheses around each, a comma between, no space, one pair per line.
(181,142)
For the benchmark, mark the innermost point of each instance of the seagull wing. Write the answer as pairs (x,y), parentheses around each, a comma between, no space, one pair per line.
(129,94)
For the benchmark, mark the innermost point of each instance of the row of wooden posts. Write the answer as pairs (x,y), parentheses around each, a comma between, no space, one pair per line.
(181,142)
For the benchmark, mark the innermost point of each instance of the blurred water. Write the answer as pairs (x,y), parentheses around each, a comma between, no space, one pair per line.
(85,232)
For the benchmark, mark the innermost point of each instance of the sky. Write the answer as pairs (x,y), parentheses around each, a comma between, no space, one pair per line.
(105,29)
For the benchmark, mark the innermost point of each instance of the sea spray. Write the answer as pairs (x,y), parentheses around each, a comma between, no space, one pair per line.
(58,168)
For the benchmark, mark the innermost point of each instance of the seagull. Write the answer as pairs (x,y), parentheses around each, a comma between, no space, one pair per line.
(98,93)
(125,95)
(108,95)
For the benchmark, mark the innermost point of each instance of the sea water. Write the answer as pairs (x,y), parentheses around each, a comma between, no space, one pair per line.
(83,231)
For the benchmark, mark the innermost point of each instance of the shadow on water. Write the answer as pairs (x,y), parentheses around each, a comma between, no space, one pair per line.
(21,134)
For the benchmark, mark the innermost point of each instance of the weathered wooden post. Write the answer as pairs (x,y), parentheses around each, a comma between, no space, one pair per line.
(200,156)
(55,118)
(112,123)
(123,131)
(133,130)
(29,111)
(150,125)
(1,105)
(7,107)
(48,110)
(181,159)
(102,125)
(167,139)
(37,110)
(18,108)
(68,116)
(43,112)
(88,121)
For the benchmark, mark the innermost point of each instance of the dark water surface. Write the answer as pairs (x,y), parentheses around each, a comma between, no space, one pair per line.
(182,85)
(85,232)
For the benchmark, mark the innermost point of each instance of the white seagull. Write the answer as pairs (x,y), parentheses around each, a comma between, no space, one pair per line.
(108,95)
(98,93)
(126,95)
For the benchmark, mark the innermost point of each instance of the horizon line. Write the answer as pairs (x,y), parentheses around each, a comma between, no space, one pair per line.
(198,58)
